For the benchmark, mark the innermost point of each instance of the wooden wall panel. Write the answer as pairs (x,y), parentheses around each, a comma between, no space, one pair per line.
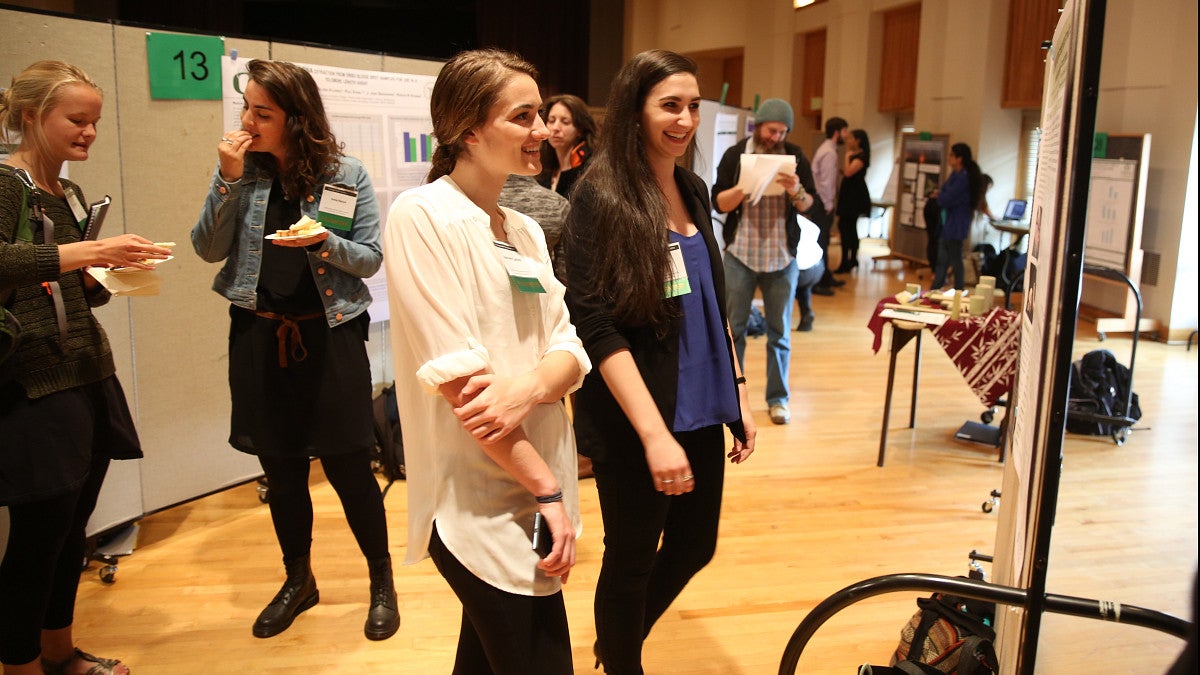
(814,74)
(1030,22)
(898,74)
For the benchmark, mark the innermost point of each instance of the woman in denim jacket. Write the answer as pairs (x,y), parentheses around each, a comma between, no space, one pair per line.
(298,368)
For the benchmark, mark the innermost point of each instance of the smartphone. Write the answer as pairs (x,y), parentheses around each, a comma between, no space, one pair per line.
(543,542)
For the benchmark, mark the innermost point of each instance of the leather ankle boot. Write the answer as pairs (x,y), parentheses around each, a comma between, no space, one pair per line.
(299,593)
(383,619)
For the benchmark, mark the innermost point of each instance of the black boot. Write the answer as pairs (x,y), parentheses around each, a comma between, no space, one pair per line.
(299,593)
(383,619)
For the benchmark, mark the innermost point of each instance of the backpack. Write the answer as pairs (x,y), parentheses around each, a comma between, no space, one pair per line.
(10,327)
(756,323)
(951,635)
(1099,386)
(388,455)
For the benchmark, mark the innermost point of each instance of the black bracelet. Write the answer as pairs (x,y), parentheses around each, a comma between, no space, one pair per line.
(550,499)
(740,380)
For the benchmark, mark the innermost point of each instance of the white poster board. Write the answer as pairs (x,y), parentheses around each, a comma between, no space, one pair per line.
(1110,212)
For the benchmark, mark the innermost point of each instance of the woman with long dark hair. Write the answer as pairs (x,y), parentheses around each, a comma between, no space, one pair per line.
(63,414)
(484,354)
(565,154)
(299,375)
(958,198)
(646,290)
(854,199)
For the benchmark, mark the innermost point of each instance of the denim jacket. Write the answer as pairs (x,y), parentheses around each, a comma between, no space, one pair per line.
(231,229)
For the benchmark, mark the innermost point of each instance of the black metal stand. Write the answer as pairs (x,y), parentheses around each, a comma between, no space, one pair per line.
(977,590)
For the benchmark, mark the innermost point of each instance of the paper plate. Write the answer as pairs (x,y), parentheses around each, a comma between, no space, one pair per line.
(314,233)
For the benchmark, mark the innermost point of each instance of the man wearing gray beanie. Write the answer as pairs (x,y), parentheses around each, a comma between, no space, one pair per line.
(761,241)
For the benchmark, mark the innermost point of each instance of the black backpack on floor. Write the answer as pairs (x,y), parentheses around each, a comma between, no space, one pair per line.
(947,636)
(389,442)
(1099,386)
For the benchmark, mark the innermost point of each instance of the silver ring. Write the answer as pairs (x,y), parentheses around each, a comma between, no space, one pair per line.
(665,481)
(688,477)
(229,141)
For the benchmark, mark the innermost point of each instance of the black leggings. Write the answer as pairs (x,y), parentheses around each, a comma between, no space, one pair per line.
(638,578)
(291,505)
(503,632)
(39,576)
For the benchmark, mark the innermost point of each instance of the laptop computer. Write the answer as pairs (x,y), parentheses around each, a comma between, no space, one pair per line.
(1015,211)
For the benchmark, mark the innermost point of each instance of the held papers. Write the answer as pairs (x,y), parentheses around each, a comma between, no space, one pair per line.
(758,172)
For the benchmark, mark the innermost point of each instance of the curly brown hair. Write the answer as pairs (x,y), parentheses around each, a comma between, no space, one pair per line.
(312,150)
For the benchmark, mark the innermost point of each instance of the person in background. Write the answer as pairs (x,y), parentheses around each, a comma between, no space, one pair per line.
(569,148)
(854,200)
(63,414)
(810,261)
(299,375)
(958,198)
(548,208)
(484,353)
(826,173)
(761,243)
(646,290)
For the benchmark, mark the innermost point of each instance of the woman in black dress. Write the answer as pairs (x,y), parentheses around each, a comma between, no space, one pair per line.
(854,200)
(298,369)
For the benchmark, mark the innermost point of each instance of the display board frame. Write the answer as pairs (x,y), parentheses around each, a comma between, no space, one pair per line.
(921,168)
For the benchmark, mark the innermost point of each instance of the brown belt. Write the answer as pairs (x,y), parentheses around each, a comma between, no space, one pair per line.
(289,331)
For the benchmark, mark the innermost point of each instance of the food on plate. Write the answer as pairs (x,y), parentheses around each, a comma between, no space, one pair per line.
(305,227)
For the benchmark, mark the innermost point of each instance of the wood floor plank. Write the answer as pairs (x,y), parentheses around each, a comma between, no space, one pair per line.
(808,515)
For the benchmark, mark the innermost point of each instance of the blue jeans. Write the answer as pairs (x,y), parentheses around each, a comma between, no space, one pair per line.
(778,289)
(950,256)
(805,280)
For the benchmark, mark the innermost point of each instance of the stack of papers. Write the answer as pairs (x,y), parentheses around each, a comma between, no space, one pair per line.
(758,174)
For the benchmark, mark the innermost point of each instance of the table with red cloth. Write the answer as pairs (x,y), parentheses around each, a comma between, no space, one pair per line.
(984,348)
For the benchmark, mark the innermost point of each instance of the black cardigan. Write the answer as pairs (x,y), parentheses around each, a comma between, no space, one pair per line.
(601,427)
(727,176)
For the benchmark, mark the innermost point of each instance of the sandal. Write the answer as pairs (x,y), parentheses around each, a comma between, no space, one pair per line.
(99,666)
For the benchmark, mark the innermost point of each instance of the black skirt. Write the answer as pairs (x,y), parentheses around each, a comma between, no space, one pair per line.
(317,404)
(47,443)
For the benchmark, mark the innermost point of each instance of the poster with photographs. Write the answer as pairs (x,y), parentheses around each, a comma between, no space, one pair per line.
(922,170)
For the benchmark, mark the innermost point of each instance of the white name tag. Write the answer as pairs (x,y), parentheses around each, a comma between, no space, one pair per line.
(336,209)
(523,271)
(677,280)
(77,210)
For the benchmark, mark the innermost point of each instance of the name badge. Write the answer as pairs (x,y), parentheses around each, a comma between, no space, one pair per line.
(337,207)
(521,270)
(77,210)
(677,280)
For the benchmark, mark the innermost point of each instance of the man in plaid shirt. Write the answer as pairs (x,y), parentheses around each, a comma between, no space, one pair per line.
(761,240)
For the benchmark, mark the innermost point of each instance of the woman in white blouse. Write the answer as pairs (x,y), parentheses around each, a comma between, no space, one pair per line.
(484,354)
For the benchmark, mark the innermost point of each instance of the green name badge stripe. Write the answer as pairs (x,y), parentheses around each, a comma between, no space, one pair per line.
(528,285)
(342,223)
(677,287)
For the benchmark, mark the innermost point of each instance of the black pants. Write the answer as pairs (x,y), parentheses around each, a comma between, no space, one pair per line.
(291,505)
(848,228)
(638,578)
(39,576)
(504,633)
(824,221)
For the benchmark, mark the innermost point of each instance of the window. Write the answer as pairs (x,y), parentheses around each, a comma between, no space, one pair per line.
(1031,135)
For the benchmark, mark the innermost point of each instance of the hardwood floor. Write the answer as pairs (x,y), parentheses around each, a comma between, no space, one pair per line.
(808,515)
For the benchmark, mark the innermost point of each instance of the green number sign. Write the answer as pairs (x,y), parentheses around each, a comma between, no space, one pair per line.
(184,66)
